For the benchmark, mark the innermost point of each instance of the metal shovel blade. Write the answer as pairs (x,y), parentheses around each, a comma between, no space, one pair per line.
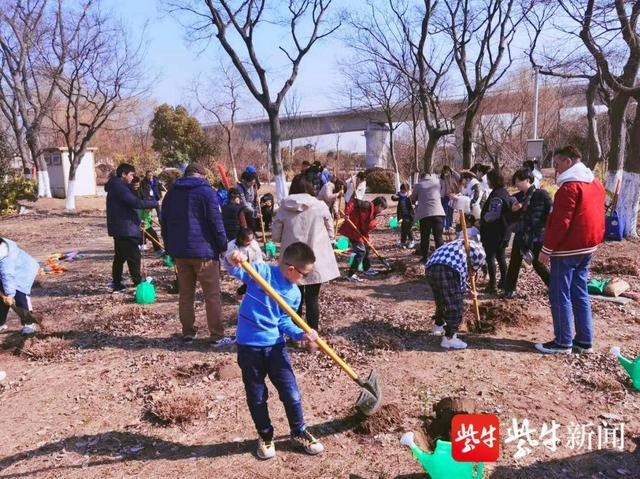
(370,398)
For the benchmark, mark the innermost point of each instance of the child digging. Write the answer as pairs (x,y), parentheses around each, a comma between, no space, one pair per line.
(262,326)
(447,274)
(406,216)
(18,271)
(362,214)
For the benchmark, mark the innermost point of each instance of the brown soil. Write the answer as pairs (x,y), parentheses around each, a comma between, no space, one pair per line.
(623,265)
(110,390)
(497,314)
(439,426)
(389,418)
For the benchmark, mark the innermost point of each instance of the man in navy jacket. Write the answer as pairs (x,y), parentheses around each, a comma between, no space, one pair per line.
(123,224)
(194,236)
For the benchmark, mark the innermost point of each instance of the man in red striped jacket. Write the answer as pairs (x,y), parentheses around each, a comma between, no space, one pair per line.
(574,229)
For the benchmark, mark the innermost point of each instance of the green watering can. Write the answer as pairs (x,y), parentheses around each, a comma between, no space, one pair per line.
(632,367)
(342,243)
(351,258)
(393,222)
(271,249)
(441,464)
(145,292)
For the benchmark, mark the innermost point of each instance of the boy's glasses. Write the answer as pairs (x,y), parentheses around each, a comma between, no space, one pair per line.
(304,275)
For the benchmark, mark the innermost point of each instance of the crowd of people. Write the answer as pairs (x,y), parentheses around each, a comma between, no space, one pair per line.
(202,230)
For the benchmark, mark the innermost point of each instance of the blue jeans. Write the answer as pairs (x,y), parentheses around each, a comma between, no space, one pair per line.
(258,362)
(448,212)
(570,300)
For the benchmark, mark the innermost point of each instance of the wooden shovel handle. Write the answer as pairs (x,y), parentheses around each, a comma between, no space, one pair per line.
(472,280)
(297,319)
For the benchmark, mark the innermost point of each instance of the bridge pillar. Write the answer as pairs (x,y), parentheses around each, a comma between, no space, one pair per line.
(376,142)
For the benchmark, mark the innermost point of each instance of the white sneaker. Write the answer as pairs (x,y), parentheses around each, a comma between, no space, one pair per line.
(226,341)
(437,330)
(4,327)
(412,244)
(453,343)
(29,329)
(307,442)
(266,450)
(370,272)
(354,278)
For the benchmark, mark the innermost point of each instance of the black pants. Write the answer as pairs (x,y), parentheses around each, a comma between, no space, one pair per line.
(428,225)
(361,255)
(126,250)
(267,218)
(405,230)
(516,261)
(22,301)
(310,299)
(496,252)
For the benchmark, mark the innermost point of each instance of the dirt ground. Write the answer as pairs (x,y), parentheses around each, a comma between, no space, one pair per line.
(109,390)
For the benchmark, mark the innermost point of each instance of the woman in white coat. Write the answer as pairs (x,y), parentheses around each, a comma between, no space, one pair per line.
(302,217)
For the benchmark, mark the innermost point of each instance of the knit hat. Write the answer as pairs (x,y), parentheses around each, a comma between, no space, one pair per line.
(193,168)
(250,169)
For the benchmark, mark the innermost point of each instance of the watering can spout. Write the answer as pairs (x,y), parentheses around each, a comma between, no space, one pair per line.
(632,367)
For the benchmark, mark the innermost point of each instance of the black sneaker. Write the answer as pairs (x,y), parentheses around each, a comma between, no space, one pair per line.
(581,348)
(490,290)
(117,286)
(508,295)
(552,347)
(189,338)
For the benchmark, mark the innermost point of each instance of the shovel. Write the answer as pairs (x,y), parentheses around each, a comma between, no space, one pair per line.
(173,289)
(25,315)
(370,398)
(375,251)
(472,279)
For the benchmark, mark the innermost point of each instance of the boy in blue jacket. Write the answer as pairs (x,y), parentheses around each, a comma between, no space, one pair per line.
(18,271)
(262,326)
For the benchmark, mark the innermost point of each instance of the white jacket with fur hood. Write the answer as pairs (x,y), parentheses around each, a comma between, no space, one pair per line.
(304,218)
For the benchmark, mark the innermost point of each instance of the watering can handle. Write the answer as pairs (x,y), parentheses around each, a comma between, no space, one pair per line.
(298,320)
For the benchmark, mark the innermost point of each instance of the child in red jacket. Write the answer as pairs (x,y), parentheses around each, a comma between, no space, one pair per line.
(362,214)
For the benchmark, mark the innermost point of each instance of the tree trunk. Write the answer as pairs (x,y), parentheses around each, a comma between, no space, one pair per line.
(392,154)
(276,155)
(427,157)
(467,137)
(414,139)
(33,142)
(70,200)
(595,149)
(629,200)
(232,159)
(618,127)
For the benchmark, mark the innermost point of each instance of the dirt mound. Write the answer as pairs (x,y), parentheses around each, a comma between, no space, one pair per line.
(496,314)
(47,349)
(130,320)
(388,419)
(622,265)
(415,271)
(228,370)
(439,426)
(388,343)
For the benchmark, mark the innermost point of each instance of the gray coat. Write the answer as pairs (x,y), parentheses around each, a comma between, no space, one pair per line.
(426,194)
(302,217)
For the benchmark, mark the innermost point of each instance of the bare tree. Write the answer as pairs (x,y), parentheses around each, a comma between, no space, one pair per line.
(292,109)
(575,66)
(101,77)
(598,23)
(481,33)
(402,37)
(241,20)
(224,108)
(34,42)
(379,86)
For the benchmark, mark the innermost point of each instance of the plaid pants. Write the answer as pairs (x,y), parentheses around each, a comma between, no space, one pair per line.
(447,291)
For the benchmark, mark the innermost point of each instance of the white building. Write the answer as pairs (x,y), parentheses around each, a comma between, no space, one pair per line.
(58,165)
